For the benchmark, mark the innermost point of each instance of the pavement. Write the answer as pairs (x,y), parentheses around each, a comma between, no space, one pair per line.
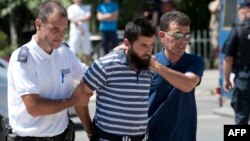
(207,89)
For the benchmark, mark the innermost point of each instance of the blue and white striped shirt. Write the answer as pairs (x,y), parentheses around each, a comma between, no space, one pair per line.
(122,95)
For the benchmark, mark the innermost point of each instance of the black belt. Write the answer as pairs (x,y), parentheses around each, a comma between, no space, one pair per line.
(59,137)
(67,135)
(99,134)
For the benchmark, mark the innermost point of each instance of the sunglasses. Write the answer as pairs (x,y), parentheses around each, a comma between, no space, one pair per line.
(179,36)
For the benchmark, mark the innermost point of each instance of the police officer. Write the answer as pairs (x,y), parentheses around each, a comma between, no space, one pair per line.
(237,60)
(40,81)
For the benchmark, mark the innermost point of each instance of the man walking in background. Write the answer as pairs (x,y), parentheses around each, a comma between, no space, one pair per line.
(237,60)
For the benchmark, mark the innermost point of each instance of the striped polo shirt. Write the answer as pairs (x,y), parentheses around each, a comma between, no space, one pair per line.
(122,94)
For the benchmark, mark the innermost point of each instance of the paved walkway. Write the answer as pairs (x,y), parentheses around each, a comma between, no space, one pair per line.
(209,83)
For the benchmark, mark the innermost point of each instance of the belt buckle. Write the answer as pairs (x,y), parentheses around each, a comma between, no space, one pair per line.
(126,138)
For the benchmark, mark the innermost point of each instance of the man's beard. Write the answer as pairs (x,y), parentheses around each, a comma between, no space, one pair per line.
(137,62)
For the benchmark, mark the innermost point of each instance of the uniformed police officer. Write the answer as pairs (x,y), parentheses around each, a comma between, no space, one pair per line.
(237,60)
(40,81)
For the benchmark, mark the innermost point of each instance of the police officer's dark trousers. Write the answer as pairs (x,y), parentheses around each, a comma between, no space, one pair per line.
(241,96)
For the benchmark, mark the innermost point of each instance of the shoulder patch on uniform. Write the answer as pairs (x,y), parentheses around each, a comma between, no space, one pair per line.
(65,44)
(23,54)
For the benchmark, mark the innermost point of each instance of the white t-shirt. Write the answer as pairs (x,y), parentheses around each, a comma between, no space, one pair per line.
(76,11)
(41,74)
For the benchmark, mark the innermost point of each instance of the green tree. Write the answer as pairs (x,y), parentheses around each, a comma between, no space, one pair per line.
(197,10)
(17,13)
(17,16)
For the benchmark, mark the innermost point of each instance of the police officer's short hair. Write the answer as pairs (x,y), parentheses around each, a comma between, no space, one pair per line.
(49,7)
(244,5)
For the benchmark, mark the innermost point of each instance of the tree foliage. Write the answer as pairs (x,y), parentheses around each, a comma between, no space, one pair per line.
(197,10)
(17,15)
(24,12)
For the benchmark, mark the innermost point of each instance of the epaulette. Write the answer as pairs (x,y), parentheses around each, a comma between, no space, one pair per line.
(23,54)
(65,44)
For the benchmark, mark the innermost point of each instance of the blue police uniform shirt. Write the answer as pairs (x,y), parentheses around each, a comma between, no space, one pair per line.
(176,119)
(108,8)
